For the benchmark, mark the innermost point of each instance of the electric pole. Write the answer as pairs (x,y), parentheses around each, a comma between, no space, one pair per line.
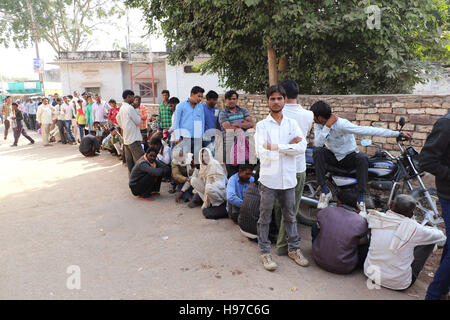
(33,25)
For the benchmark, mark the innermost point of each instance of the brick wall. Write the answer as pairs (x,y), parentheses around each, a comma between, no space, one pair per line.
(420,112)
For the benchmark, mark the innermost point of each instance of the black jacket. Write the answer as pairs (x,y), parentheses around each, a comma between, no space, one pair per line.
(435,156)
(19,118)
(143,168)
(87,144)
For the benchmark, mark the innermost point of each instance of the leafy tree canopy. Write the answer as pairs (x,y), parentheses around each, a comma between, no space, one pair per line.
(327,46)
(65,24)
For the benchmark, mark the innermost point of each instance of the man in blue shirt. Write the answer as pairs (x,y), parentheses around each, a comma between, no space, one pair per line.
(190,122)
(236,189)
(211,116)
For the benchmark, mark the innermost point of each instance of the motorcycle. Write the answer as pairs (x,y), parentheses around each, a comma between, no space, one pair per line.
(388,176)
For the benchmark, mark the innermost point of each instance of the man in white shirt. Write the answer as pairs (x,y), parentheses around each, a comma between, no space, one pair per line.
(337,135)
(44,118)
(399,246)
(68,114)
(129,120)
(100,110)
(305,120)
(278,142)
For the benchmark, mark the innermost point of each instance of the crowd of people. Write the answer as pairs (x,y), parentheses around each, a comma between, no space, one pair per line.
(254,173)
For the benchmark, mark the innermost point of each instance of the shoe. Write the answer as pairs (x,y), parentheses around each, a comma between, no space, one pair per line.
(268,263)
(32,142)
(324,200)
(298,257)
(13,145)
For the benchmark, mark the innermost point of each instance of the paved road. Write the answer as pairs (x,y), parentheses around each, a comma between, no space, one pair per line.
(58,208)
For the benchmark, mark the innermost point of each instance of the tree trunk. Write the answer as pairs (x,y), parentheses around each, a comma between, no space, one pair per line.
(283,64)
(272,62)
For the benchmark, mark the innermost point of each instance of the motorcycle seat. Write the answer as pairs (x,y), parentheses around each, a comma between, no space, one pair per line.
(340,171)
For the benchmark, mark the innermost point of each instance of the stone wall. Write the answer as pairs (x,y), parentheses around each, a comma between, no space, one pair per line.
(420,112)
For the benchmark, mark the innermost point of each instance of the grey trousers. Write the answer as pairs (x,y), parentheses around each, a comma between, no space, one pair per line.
(287,203)
(132,154)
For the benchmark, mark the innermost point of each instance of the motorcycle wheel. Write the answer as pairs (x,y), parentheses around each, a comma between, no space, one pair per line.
(423,206)
(307,214)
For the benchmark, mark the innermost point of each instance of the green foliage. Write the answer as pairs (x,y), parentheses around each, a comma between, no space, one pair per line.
(329,45)
(65,24)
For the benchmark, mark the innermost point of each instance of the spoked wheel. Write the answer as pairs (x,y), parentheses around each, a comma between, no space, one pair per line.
(423,209)
(307,213)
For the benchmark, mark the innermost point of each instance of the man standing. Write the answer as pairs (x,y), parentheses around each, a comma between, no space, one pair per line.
(100,110)
(61,118)
(6,111)
(278,143)
(335,144)
(190,122)
(165,112)
(67,116)
(233,119)
(55,100)
(18,129)
(211,115)
(32,108)
(305,120)
(435,159)
(45,120)
(129,120)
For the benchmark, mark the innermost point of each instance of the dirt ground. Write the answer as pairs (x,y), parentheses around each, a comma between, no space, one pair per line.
(58,209)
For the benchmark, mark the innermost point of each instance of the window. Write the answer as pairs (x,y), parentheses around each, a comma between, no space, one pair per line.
(92,90)
(145,89)
(191,69)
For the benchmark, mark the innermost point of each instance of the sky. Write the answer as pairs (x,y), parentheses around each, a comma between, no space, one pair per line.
(19,62)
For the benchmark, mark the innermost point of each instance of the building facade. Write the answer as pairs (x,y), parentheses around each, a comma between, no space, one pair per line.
(109,73)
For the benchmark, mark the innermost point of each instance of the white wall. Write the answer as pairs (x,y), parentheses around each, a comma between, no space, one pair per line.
(108,76)
(180,84)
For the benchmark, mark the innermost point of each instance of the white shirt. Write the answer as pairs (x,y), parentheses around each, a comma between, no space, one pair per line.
(100,111)
(392,244)
(129,119)
(340,139)
(305,120)
(278,168)
(165,155)
(44,114)
(67,111)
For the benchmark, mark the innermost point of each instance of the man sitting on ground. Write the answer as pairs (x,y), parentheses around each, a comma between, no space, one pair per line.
(145,178)
(182,169)
(337,235)
(236,189)
(399,246)
(89,145)
(113,142)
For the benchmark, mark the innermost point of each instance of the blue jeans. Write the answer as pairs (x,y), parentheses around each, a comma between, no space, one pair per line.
(67,125)
(441,282)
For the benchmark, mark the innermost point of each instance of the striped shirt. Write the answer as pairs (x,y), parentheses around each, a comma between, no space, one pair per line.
(227,116)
